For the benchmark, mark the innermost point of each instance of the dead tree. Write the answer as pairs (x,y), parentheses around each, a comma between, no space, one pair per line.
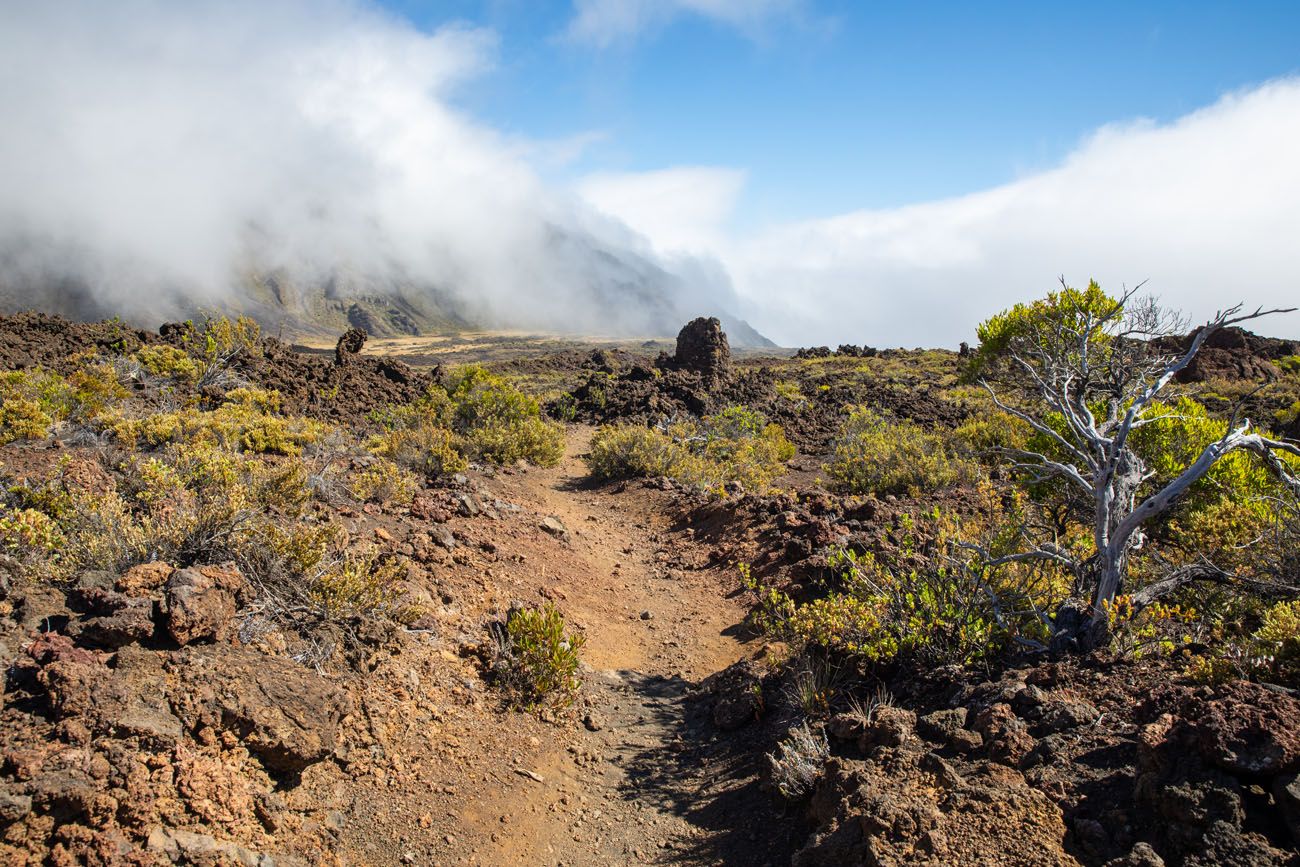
(1088,377)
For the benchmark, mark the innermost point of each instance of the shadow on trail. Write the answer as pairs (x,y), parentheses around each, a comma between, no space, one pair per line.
(689,768)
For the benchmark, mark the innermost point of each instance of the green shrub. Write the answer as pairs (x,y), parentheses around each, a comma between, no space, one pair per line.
(881,455)
(358,585)
(737,445)
(383,482)
(218,343)
(28,532)
(498,423)
(632,451)
(1229,508)
(474,414)
(247,422)
(169,362)
(31,402)
(537,660)
(425,448)
(933,602)
(989,431)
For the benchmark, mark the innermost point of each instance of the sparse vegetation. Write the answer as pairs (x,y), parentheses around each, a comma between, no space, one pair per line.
(797,763)
(536,658)
(472,415)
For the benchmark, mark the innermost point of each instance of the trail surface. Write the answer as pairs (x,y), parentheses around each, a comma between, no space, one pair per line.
(649,781)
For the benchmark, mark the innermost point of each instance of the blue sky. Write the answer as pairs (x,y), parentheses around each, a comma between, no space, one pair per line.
(833,106)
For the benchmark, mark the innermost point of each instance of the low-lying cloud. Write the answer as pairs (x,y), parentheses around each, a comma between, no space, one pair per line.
(1206,208)
(155,154)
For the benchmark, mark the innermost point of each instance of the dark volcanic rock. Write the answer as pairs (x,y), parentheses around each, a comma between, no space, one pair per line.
(349,345)
(702,348)
(1230,353)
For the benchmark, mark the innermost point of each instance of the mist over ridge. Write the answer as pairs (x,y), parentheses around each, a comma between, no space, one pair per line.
(287,158)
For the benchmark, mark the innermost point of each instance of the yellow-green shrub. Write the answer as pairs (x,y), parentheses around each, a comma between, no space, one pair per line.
(383,481)
(471,415)
(246,423)
(497,422)
(31,401)
(170,362)
(360,584)
(1227,509)
(632,451)
(988,431)
(26,531)
(736,445)
(881,455)
(426,448)
(22,418)
(1277,641)
(934,600)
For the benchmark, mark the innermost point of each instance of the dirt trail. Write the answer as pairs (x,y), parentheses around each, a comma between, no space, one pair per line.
(647,782)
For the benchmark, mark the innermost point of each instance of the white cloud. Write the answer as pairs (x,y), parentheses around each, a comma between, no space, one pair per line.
(1207,208)
(682,209)
(605,22)
(157,150)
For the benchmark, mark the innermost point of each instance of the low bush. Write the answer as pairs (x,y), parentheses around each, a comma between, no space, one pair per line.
(536,658)
(247,422)
(425,448)
(358,584)
(497,422)
(167,362)
(934,603)
(737,445)
(880,455)
(383,482)
(797,762)
(471,415)
(632,451)
(1270,652)
(218,344)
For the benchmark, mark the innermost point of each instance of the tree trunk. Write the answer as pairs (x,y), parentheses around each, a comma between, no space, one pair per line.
(1111,564)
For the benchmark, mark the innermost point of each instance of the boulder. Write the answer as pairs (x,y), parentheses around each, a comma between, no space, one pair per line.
(913,808)
(553,526)
(349,346)
(286,715)
(1005,735)
(739,690)
(702,348)
(201,602)
(120,619)
(888,727)
(146,579)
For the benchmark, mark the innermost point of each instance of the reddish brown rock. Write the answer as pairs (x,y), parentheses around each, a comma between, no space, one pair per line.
(285,715)
(1005,735)
(201,603)
(146,579)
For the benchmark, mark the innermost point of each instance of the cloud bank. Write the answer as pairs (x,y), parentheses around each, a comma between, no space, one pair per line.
(1206,208)
(155,154)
